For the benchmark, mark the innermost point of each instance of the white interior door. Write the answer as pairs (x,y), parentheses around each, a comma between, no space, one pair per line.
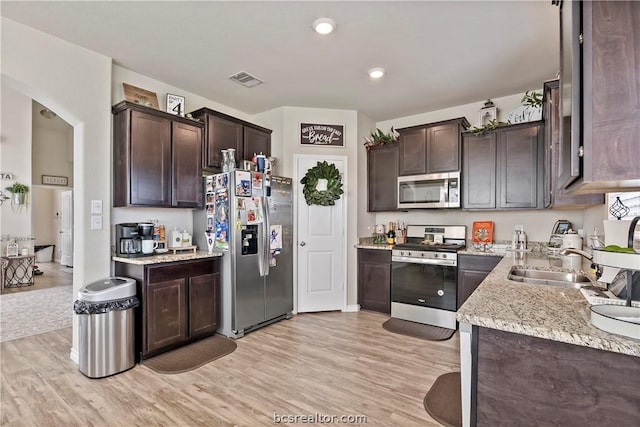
(67,228)
(321,245)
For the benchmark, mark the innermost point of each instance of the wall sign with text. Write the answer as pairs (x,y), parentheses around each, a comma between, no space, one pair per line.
(317,134)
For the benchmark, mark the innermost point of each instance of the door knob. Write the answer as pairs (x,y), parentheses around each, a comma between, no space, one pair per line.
(302,243)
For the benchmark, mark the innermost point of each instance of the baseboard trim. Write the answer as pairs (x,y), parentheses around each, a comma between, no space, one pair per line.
(75,356)
(352,308)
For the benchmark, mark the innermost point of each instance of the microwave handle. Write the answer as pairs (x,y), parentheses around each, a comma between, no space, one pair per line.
(444,196)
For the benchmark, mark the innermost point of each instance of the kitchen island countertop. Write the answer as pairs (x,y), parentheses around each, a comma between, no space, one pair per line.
(547,312)
(168,257)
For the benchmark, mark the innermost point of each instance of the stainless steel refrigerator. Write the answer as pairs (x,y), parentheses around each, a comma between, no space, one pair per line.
(249,216)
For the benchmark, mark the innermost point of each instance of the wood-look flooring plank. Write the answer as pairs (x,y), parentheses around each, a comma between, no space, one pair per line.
(326,363)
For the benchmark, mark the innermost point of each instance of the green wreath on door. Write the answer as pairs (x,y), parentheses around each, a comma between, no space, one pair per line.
(322,171)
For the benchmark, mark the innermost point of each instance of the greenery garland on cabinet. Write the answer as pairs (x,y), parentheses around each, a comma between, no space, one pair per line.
(322,197)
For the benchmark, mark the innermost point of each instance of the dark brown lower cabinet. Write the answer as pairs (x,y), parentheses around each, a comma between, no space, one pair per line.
(202,296)
(472,270)
(166,307)
(528,381)
(374,280)
(180,302)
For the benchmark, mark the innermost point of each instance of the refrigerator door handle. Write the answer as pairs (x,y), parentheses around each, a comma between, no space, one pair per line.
(267,235)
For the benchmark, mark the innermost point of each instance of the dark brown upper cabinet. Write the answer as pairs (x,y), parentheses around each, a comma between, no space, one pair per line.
(431,148)
(479,171)
(382,178)
(186,155)
(223,132)
(554,194)
(503,169)
(600,51)
(157,158)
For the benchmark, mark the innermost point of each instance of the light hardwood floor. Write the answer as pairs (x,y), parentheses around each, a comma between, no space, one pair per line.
(328,363)
(54,275)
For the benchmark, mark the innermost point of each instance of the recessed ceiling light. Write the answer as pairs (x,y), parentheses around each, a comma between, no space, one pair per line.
(324,25)
(376,73)
(47,113)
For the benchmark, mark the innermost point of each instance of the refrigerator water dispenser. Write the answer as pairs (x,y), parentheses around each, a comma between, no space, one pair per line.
(250,240)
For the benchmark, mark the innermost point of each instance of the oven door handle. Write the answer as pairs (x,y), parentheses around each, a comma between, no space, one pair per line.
(443,262)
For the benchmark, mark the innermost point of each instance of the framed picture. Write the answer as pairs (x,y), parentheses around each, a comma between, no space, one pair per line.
(320,134)
(482,232)
(55,180)
(140,96)
(175,104)
(487,115)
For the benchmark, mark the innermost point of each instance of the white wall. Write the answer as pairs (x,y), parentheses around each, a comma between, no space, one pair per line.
(366,220)
(192,101)
(44,217)
(471,111)
(15,158)
(537,223)
(285,122)
(50,154)
(76,84)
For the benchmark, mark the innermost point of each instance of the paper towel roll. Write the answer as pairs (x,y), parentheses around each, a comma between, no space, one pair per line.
(616,232)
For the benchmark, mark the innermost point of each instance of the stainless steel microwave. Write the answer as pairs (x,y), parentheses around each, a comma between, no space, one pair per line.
(441,190)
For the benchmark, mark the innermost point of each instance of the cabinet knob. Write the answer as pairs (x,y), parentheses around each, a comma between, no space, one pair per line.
(303,243)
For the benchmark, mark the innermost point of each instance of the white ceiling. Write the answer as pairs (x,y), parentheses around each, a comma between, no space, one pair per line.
(437,54)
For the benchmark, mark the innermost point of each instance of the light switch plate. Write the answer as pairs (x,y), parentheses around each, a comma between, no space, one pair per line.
(96,222)
(96,207)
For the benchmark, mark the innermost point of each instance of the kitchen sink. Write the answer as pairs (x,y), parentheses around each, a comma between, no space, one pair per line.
(550,278)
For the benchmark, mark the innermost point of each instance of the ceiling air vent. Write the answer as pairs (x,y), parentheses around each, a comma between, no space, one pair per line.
(246,79)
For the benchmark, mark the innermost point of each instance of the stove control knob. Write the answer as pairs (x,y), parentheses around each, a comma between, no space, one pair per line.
(436,255)
(440,292)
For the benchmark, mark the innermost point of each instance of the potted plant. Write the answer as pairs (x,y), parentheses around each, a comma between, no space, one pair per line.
(489,126)
(380,138)
(19,192)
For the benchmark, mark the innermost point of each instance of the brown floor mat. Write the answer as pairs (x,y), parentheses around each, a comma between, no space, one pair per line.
(418,330)
(443,401)
(191,356)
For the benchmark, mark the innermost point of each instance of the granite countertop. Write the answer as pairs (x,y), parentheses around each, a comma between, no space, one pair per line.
(547,312)
(168,257)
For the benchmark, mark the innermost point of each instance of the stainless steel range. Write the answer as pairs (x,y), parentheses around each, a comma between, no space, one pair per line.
(424,274)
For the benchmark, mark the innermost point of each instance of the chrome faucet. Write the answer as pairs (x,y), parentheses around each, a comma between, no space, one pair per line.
(567,251)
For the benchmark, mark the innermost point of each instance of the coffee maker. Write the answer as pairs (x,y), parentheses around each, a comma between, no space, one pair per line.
(128,241)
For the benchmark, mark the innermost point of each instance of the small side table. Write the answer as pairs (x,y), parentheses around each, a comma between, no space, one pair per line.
(17,271)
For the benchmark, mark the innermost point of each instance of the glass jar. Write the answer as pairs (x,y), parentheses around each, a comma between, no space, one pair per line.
(231,156)
(225,161)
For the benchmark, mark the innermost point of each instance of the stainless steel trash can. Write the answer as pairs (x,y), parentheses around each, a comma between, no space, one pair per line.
(107,326)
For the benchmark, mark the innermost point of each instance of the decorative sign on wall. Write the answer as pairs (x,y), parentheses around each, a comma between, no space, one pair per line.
(318,134)
(175,104)
(140,96)
(55,180)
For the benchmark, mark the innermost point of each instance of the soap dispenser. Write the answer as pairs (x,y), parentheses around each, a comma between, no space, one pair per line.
(519,239)
(522,240)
